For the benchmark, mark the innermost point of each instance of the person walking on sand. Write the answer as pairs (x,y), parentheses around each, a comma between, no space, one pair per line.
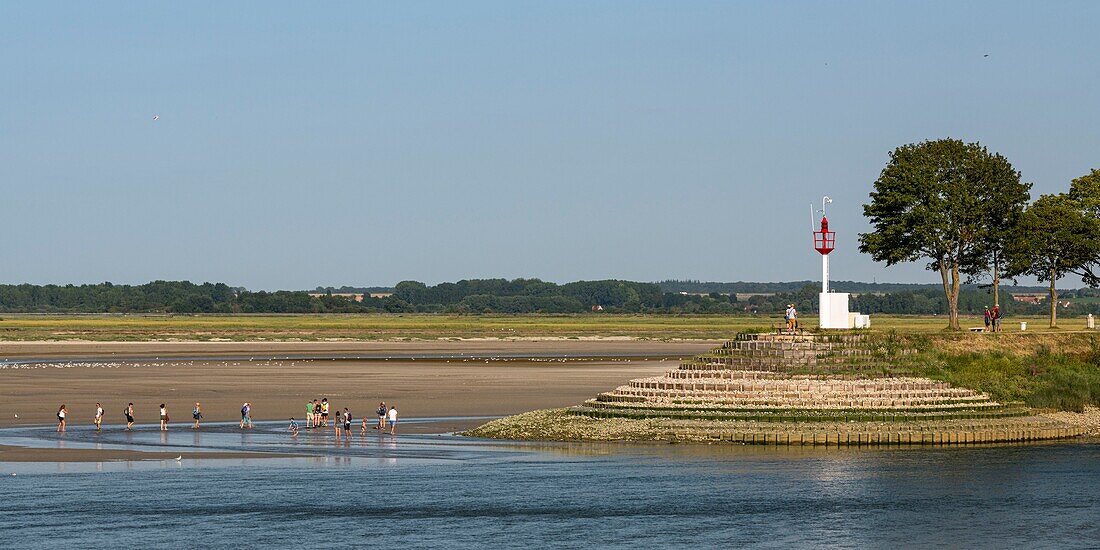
(129,412)
(309,414)
(393,420)
(382,416)
(196,413)
(324,412)
(337,424)
(347,423)
(163,418)
(98,420)
(61,418)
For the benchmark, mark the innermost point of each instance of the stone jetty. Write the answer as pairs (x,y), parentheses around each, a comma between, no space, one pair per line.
(790,389)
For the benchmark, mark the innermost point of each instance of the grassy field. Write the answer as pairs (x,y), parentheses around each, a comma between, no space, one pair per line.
(427,327)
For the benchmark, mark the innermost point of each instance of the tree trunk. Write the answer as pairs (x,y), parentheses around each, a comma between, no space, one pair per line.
(1053,301)
(996,280)
(951,292)
(955,297)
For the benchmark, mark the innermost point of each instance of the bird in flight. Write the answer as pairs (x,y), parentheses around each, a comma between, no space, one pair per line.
(157,117)
(986,55)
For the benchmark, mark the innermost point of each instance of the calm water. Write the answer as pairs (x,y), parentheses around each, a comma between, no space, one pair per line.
(435,491)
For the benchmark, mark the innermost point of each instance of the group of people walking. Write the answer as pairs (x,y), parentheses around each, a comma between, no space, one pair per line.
(317,416)
(993,318)
(318,411)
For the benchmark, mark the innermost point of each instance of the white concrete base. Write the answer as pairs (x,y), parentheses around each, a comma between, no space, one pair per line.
(834,310)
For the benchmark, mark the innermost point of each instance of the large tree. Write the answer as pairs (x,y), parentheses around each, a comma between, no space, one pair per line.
(1059,238)
(1085,192)
(942,201)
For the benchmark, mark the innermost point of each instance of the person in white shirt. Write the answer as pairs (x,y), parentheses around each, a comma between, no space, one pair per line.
(393,420)
(98,415)
(61,418)
(792,317)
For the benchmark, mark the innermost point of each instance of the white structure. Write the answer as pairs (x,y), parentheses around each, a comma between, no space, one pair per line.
(833,306)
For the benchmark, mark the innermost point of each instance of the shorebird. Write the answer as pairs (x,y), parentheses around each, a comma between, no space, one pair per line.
(179,458)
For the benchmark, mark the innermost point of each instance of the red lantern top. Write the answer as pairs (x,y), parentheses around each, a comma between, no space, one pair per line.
(824,240)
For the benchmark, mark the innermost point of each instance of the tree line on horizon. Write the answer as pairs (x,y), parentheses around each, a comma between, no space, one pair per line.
(966,212)
(479,296)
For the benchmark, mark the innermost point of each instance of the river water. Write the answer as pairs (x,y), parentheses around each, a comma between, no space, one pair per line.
(449,491)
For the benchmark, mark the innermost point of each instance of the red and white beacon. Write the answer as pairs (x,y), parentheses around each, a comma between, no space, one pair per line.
(833,306)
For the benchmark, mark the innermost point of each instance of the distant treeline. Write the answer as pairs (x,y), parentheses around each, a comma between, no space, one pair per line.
(704,287)
(487,296)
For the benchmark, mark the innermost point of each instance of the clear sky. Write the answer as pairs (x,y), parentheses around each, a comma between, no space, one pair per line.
(371,142)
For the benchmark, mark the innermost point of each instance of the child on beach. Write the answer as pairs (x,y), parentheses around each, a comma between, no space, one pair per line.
(293,428)
(129,412)
(163,418)
(196,413)
(393,420)
(98,416)
(61,418)
(363,426)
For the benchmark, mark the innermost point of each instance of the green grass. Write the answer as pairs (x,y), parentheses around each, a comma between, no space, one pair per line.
(427,326)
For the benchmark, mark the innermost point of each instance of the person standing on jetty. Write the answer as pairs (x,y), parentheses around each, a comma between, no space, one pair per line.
(163,418)
(98,416)
(196,413)
(393,420)
(792,318)
(129,412)
(61,412)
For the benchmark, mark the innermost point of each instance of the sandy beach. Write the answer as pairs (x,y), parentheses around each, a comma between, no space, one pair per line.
(524,375)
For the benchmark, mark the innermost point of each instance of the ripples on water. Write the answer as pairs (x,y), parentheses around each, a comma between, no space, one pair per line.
(448,491)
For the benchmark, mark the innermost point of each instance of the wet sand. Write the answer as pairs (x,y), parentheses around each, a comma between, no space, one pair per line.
(23,454)
(279,389)
(547,346)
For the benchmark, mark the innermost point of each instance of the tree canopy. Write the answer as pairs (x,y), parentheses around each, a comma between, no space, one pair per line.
(946,202)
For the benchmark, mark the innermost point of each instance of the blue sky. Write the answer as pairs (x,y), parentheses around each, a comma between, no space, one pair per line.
(366,143)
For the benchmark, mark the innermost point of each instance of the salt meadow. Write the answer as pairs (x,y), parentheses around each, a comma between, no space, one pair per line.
(443,490)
